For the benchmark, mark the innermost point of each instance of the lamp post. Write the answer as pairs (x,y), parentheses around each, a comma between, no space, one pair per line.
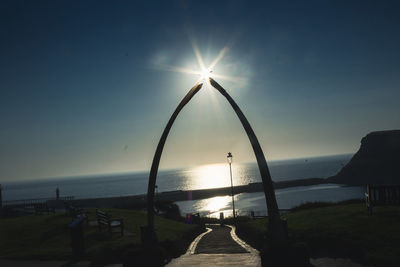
(229,157)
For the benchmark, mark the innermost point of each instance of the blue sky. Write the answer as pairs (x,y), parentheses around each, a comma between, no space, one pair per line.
(85,90)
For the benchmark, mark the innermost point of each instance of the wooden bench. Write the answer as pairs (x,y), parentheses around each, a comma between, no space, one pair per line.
(43,208)
(104,220)
(381,195)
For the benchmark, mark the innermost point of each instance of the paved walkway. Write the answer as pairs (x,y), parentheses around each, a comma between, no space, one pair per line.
(219,241)
(219,246)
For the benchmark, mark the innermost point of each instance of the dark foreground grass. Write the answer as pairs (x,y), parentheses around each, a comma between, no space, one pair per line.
(47,237)
(340,231)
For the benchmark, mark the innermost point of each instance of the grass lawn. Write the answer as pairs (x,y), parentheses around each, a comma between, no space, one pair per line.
(48,237)
(340,231)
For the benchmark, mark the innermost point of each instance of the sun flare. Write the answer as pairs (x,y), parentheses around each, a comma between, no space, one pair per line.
(205,74)
(204,71)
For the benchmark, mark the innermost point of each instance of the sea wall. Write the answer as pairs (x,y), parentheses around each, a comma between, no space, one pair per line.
(180,195)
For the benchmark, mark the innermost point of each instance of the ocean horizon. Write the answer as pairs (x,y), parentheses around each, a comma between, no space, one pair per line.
(199,177)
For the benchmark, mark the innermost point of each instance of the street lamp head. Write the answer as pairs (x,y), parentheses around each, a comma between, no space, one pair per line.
(229,157)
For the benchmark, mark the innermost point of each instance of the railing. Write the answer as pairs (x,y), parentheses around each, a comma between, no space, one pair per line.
(33,201)
(263,213)
(248,213)
(382,195)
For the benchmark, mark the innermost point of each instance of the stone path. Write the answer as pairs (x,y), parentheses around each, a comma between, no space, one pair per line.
(219,246)
(219,241)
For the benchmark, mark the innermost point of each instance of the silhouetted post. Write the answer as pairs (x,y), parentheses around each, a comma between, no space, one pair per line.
(1,198)
(77,237)
(276,227)
(229,157)
(57,193)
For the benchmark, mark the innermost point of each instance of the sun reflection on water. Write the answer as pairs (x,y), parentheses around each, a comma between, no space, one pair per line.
(212,205)
(210,176)
(214,176)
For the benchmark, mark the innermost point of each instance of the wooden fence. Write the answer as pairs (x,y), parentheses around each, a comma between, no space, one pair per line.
(25,203)
(382,195)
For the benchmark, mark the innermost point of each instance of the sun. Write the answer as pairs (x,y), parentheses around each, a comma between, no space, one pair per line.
(203,71)
(205,74)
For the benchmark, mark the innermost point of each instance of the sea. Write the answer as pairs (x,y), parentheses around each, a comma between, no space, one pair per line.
(202,177)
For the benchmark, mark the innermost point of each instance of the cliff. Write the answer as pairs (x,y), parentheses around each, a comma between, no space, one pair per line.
(377,161)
